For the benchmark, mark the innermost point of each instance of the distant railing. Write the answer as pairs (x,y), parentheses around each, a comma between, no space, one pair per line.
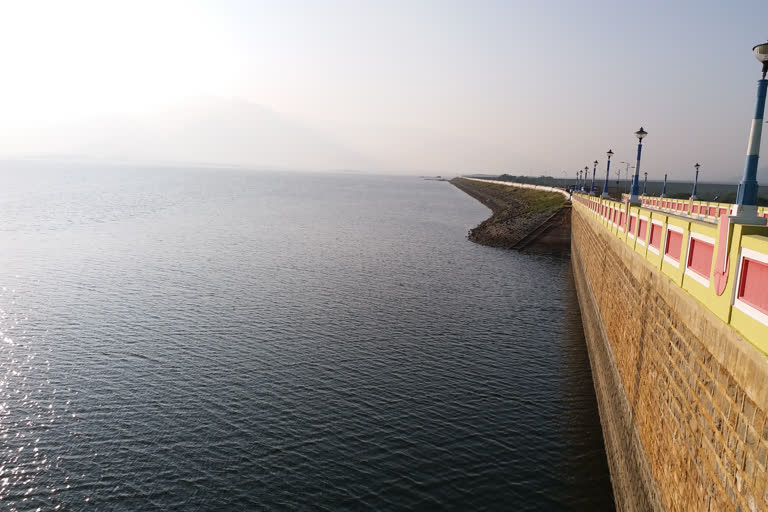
(721,264)
(704,210)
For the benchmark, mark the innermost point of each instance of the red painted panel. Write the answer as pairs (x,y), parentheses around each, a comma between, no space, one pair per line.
(695,208)
(621,219)
(721,211)
(655,236)
(712,211)
(700,257)
(685,207)
(642,229)
(753,284)
(674,245)
(632,223)
(679,206)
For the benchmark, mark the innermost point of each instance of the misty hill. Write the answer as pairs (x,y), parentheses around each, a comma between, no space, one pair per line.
(210,131)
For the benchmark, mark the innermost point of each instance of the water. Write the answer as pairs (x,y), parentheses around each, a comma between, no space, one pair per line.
(223,340)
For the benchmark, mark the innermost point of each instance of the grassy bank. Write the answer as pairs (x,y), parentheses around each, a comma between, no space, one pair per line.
(516,211)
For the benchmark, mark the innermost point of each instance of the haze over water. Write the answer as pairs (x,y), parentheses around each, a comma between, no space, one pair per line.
(210,340)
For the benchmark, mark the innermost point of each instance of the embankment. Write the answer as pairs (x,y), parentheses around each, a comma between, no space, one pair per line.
(526,219)
(683,397)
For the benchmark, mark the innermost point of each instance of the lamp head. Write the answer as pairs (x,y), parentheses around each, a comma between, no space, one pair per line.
(610,154)
(641,133)
(761,54)
(595,163)
(586,168)
(697,166)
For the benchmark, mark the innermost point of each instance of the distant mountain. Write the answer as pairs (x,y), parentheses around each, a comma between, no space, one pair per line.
(210,131)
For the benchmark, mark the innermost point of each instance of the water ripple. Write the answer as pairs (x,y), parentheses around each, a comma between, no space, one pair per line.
(215,340)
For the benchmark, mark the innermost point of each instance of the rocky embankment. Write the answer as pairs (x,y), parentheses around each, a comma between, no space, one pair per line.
(521,219)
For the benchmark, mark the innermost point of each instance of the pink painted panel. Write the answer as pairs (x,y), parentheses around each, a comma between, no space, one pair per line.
(721,211)
(621,219)
(700,257)
(685,207)
(712,211)
(674,245)
(753,284)
(695,208)
(642,229)
(632,221)
(655,240)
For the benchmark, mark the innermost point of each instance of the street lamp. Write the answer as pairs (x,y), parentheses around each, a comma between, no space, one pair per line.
(578,180)
(695,182)
(584,183)
(664,189)
(745,209)
(633,198)
(626,172)
(607,173)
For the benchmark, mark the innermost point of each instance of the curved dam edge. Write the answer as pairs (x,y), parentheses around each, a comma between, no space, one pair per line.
(527,220)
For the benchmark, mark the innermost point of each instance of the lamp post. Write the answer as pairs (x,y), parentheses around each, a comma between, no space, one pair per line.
(695,182)
(626,171)
(592,186)
(635,192)
(607,173)
(645,182)
(578,180)
(745,209)
(584,183)
(664,189)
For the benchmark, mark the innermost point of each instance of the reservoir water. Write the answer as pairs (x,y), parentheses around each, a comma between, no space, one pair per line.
(213,339)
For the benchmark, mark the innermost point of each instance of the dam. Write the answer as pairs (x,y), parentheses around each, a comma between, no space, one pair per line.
(674,304)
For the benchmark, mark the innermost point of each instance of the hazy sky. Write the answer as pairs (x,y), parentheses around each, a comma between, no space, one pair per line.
(389,86)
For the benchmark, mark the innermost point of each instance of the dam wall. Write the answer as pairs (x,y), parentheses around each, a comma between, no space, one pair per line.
(675,312)
(543,188)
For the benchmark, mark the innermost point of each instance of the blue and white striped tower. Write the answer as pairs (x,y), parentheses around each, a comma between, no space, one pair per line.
(745,209)
(634,196)
(607,172)
(592,187)
(695,182)
(664,188)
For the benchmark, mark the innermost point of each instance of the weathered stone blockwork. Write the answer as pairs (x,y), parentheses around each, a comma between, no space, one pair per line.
(674,383)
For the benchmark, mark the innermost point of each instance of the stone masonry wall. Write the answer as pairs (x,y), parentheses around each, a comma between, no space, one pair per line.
(682,397)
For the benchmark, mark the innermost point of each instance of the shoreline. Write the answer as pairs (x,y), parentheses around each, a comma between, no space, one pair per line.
(522,219)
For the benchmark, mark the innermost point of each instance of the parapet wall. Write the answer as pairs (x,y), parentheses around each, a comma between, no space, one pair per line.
(681,373)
